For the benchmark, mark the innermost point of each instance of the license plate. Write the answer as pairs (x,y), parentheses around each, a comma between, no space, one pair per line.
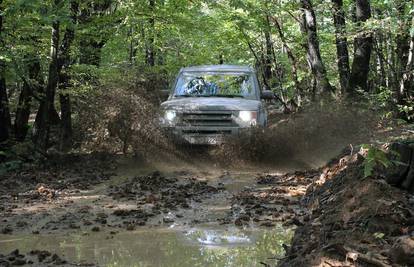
(204,140)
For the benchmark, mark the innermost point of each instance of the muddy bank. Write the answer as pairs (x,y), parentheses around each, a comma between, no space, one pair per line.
(59,173)
(353,221)
(36,258)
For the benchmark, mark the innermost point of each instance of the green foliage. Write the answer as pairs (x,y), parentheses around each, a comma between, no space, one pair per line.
(379,235)
(12,156)
(119,35)
(374,157)
(407,109)
(10,166)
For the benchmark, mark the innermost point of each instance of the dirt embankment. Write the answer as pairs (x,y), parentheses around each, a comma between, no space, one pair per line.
(353,221)
(60,174)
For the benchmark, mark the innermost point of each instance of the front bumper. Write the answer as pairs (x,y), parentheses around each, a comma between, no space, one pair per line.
(203,135)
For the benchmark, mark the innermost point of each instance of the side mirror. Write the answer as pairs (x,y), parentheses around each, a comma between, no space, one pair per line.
(267,95)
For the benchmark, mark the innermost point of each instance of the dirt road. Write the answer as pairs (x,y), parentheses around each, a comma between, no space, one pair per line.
(222,217)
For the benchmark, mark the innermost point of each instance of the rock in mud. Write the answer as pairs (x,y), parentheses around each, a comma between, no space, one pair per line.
(7,230)
(167,220)
(41,254)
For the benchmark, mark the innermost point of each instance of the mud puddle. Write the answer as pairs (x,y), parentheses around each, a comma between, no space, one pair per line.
(104,225)
(161,247)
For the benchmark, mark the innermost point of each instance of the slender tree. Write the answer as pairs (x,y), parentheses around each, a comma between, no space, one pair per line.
(292,59)
(312,46)
(150,46)
(341,44)
(44,114)
(268,51)
(362,48)
(64,63)
(31,86)
(406,85)
(5,122)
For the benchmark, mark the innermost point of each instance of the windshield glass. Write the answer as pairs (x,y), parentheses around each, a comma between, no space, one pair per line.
(221,84)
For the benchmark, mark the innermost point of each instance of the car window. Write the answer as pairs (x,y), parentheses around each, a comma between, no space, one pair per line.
(215,84)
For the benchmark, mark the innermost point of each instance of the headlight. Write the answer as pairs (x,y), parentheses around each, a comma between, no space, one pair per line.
(248,116)
(170,115)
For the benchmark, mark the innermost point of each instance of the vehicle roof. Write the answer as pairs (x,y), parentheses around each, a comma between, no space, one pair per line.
(236,68)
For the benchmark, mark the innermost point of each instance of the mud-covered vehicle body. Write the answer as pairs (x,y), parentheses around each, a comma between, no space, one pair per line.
(209,103)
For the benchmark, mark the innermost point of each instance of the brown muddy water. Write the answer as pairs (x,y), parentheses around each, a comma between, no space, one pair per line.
(200,246)
(183,243)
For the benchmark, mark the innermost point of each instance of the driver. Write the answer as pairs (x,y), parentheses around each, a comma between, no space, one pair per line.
(196,86)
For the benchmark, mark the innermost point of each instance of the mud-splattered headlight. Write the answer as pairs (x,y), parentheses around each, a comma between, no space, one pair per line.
(170,115)
(248,116)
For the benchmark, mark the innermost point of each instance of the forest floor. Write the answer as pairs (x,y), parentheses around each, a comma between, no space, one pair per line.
(341,218)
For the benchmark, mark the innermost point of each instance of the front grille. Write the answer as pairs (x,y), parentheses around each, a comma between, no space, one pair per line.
(209,119)
(207,131)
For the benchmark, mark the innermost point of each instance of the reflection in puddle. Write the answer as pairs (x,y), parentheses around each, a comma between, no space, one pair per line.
(161,247)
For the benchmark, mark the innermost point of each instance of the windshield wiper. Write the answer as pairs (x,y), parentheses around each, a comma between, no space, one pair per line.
(194,95)
(231,96)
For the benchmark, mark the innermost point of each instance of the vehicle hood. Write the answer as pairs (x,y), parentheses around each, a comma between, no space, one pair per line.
(211,103)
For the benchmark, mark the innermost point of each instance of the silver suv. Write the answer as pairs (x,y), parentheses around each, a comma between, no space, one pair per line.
(209,103)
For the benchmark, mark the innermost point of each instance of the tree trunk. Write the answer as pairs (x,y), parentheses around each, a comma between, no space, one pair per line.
(312,46)
(221,59)
(390,60)
(379,48)
(268,53)
(66,122)
(402,54)
(341,44)
(30,86)
(64,78)
(45,113)
(132,47)
(407,80)
(362,49)
(150,49)
(5,122)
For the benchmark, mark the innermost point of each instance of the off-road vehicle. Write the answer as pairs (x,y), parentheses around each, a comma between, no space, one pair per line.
(209,103)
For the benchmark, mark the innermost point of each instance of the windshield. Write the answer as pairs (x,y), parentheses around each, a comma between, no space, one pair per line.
(221,84)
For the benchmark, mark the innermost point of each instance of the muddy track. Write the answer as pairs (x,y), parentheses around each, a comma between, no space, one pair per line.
(228,209)
(341,218)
